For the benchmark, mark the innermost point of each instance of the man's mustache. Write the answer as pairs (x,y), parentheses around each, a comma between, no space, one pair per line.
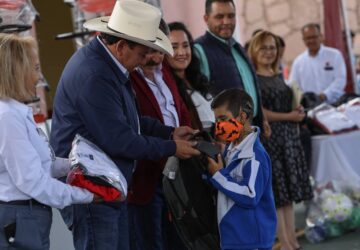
(152,63)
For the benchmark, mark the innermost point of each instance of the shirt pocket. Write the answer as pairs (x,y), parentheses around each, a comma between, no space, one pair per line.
(328,73)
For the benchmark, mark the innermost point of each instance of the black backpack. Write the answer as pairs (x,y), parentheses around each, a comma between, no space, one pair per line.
(192,203)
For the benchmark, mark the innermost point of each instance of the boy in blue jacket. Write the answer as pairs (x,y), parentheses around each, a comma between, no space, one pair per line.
(246,209)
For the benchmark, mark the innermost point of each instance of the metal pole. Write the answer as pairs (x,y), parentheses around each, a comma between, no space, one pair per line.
(349,45)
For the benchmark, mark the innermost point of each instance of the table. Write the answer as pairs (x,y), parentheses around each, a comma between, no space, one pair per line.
(336,157)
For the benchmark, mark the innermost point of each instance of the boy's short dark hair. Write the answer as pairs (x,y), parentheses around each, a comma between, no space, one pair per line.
(236,100)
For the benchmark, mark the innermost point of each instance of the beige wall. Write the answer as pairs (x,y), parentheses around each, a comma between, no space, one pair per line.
(286,17)
(283,17)
(189,12)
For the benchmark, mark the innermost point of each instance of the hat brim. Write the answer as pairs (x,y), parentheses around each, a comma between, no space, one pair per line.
(161,44)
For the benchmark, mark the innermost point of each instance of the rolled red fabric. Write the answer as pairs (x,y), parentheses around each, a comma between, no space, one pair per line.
(77,178)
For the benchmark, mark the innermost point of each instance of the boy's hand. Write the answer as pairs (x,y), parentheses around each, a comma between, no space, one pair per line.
(214,166)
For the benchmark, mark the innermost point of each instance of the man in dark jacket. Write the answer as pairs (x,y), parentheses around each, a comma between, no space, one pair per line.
(95,99)
(223,60)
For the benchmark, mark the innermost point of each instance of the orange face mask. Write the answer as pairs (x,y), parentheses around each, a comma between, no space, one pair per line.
(228,130)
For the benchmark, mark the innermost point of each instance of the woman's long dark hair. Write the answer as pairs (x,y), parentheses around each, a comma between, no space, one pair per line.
(197,80)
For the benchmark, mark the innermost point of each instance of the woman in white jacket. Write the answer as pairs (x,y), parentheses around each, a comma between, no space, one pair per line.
(28,167)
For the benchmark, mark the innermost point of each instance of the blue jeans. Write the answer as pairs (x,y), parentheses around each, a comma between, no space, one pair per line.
(150,228)
(32,226)
(100,226)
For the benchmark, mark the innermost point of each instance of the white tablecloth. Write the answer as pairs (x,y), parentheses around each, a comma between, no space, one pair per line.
(336,157)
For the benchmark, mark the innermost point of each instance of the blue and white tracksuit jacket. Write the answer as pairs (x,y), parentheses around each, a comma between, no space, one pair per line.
(246,208)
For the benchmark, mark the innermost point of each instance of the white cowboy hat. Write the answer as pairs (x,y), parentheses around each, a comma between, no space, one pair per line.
(135,21)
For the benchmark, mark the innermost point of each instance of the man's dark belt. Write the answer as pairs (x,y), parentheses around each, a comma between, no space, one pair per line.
(31,202)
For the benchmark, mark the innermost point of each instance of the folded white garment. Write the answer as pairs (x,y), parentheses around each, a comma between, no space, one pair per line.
(96,163)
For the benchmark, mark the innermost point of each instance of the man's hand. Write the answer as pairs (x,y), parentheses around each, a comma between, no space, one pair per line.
(214,166)
(185,149)
(184,133)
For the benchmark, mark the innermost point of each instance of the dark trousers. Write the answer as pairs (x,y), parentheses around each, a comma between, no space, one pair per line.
(150,227)
(32,228)
(100,226)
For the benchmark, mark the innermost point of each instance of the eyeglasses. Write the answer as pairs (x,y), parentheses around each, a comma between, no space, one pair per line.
(264,48)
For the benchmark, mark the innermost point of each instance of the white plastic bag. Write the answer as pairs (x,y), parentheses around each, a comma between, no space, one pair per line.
(95,163)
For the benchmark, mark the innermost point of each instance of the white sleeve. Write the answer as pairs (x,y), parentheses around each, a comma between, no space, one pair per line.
(60,167)
(23,164)
(336,87)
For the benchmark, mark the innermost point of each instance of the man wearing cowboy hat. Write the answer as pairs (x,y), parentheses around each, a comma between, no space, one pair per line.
(158,97)
(95,99)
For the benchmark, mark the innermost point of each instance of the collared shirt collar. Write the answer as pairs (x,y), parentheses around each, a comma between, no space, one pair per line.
(121,67)
(21,107)
(321,50)
(246,147)
(230,42)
